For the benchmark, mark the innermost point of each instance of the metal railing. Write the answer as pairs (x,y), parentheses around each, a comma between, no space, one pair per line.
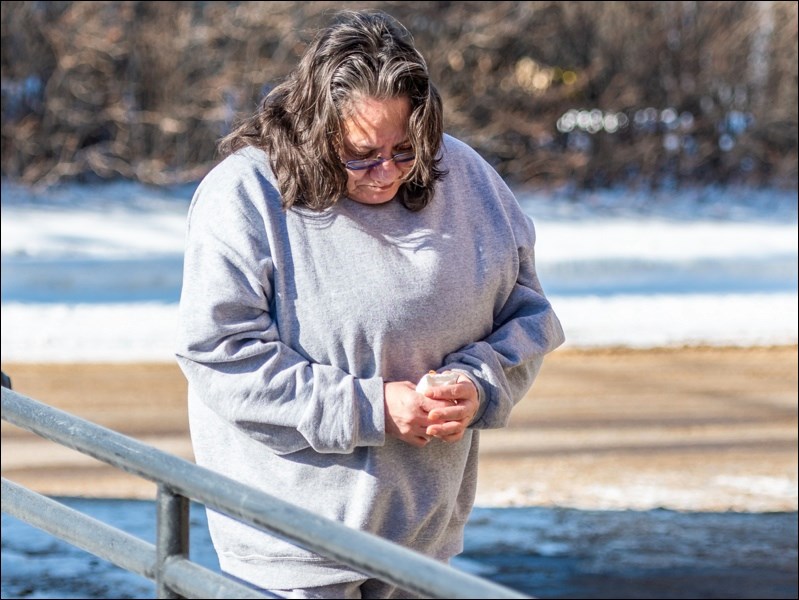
(178,480)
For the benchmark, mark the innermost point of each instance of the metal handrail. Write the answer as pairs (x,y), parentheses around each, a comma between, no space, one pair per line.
(116,546)
(363,551)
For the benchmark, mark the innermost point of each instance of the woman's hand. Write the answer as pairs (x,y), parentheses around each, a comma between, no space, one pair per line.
(457,404)
(406,417)
(443,411)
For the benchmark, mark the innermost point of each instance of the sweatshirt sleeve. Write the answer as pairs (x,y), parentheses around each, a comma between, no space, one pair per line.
(505,363)
(229,345)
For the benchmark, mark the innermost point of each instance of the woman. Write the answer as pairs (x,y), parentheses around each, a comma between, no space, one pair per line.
(342,250)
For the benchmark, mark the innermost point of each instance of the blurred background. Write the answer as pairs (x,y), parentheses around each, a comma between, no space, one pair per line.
(653,143)
(584,94)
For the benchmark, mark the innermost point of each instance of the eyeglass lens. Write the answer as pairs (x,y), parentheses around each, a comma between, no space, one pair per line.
(370,163)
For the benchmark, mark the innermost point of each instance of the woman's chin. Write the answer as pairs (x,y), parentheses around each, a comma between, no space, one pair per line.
(374,195)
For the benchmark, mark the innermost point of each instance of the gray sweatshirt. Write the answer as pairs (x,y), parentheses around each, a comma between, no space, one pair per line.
(290,322)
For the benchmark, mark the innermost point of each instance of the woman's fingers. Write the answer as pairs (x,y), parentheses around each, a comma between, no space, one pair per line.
(447,429)
(451,393)
(456,412)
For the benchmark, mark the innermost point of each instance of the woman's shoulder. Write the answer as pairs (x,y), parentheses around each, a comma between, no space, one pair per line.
(456,148)
(244,163)
(463,162)
(470,176)
(245,170)
(241,182)
(460,156)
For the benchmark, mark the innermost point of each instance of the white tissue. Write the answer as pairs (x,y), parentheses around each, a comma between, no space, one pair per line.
(431,379)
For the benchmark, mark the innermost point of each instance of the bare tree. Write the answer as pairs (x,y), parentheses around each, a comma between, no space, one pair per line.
(584,93)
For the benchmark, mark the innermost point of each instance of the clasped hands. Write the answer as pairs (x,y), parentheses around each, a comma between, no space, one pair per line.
(441,411)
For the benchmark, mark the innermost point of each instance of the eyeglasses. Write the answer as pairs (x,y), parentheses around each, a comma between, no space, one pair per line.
(370,163)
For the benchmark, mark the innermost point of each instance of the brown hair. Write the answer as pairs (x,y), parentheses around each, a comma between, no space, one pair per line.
(299,123)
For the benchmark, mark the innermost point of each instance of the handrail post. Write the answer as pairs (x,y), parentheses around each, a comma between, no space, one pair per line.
(172,535)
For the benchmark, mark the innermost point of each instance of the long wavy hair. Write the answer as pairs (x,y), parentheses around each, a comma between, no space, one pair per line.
(299,123)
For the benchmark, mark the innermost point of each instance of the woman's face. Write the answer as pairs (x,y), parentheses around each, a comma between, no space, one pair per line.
(376,128)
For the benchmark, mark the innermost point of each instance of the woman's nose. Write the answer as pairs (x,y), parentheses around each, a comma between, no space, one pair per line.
(385,170)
